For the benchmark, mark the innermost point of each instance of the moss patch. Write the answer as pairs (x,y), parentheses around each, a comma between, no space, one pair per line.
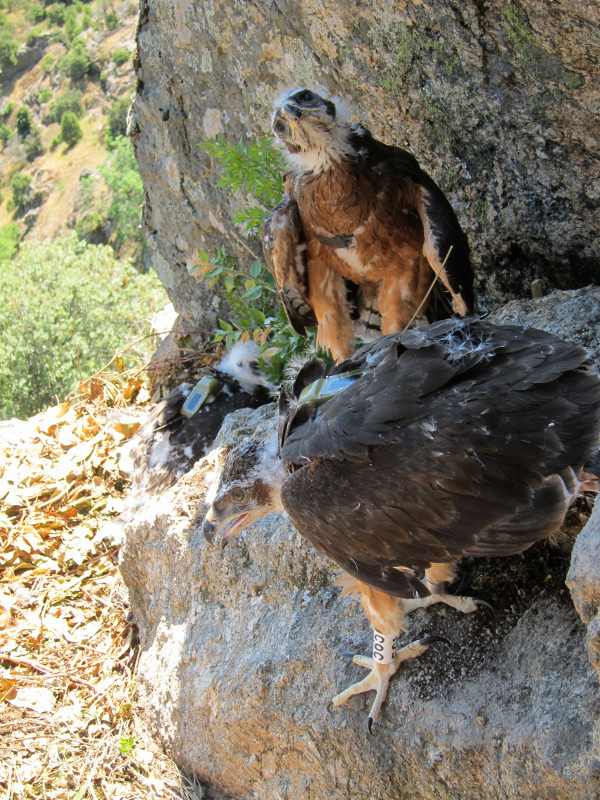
(533,58)
(417,51)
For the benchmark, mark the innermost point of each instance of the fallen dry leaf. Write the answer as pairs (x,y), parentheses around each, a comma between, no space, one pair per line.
(35,698)
(7,688)
(127,429)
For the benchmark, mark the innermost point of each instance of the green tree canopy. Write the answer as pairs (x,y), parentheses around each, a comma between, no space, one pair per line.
(23,121)
(8,49)
(20,183)
(66,305)
(120,173)
(66,101)
(76,63)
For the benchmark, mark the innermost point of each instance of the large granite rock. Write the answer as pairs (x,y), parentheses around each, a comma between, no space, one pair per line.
(583,580)
(572,315)
(241,652)
(498,100)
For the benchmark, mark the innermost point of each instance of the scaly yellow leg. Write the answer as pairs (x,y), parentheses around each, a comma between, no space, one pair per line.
(379,678)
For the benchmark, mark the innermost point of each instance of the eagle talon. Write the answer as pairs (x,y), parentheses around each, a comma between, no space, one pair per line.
(485,604)
(428,638)
(380,675)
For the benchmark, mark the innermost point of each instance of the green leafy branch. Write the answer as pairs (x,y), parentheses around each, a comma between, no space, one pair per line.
(256,169)
(255,309)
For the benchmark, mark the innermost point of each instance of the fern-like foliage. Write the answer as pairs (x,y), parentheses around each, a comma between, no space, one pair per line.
(256,312)
(255,168)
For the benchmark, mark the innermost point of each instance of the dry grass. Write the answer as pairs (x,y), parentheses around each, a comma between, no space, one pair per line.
(61,169)
(68,653)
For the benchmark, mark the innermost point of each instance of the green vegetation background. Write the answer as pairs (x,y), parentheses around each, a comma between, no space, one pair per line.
(67,304)
(71,302)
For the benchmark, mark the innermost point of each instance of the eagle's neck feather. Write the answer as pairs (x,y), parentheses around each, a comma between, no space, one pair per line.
(328,147)
(270,469)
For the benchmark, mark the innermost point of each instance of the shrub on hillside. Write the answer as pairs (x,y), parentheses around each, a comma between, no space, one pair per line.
(8,50)
(20,183)
(68,305)
(32,144)
(36,13)
(72,26)
(67,101)
(5,133)
(23,122)
(70,129)
(120,55)
(47,62)
(76,63)
(56,14)
(78,18)
(111,21)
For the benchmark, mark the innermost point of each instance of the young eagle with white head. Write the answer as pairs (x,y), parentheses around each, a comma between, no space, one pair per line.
(458,439)
(361,232)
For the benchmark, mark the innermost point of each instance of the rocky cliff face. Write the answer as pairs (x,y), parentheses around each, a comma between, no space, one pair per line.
(241,650)
(500,102)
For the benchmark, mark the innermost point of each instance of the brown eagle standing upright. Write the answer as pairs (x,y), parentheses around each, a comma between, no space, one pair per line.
(362,229)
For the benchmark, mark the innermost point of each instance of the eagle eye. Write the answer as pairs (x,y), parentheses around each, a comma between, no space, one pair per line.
(239,495)
(305,97)
(279,128)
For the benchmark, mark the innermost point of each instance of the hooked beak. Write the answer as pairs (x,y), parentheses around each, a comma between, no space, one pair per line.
(289,114)
(290,111)
(230,527)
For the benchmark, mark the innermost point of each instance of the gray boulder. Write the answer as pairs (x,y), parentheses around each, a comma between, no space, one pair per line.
(241,650)
(498,101)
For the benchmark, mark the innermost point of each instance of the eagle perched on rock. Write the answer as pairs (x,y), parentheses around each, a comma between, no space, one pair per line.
(458,439)
(361,231)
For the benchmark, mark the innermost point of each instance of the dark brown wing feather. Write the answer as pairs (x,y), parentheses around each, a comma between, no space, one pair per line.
(284,246)
(442,232)
(440,224)
(461,440)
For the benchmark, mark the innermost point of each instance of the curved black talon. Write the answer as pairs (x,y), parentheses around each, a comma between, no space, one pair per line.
(370,726)
(329,707)
(429,637)
(347,655)
(485,604)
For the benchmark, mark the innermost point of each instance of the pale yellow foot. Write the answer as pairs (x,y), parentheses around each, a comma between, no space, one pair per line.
(379,678)
(465,604)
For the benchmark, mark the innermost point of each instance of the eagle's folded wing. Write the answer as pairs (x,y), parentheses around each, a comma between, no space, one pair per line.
(469,445)
(285,250)
(442,231)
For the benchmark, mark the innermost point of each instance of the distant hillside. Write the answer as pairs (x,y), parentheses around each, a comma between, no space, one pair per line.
(66,84)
